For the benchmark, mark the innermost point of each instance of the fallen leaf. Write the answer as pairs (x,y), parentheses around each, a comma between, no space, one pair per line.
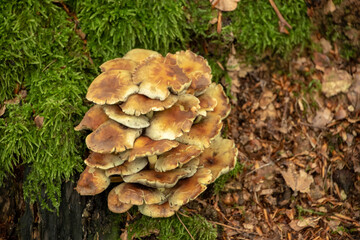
(297,181)
(266,98)
(39,121)
(336,81)
(322,117)
(354,93)
(2,110)
(329,7)
(224,5)
(321,61)
(299,224)
(326,45)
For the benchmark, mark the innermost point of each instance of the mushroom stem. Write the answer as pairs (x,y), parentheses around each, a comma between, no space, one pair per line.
(198,119)
(115,179)
(152,160)
(150,114)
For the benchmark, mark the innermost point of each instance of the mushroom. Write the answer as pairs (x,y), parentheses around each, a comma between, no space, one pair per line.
(156,127)
(220,157)
(104,161)
(111,87)
(173,122)
(156,77)
(128,168)
(92,181)
(93,118)
(115,113)
(138,104)
(111,137)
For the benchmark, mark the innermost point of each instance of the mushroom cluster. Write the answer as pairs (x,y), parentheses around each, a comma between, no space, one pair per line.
(155,128)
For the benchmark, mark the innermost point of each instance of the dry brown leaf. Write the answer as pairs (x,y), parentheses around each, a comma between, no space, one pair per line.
(299,224)
(224,5)
(322,117)
(297,181)
(2,110)
(326,45)
(354,93)
(321,61)
(39,121)
(336,81)
(329,7)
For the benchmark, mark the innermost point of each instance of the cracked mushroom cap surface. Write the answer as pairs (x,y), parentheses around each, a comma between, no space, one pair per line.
(195,67)
(158,211)
(156,78)
(154,179)
(115,113)
(137,194)
(93,118)
(202,133)
(176,157)
(220,157)
(173,122)
(111,137)
(111,87)
(128,168)
(140,55)
(138,104)
(145,146)
(103,160)
(92,181)
(190,188)
(118,64)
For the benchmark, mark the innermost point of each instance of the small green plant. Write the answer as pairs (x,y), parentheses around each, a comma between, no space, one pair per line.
(221,181)
(172,229)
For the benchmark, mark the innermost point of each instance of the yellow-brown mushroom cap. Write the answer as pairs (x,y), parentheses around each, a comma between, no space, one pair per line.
(156,78)
(137,194)
(92,181)
(176,157)
(202,133)
(220,157)
(111,137)
(115,205)
(93,118)
(173,122)
(118,64)
(158,211)
(128,168)
(115,113)
(190,188)
(103,160)
(138,104)
(111,87)
(144,146)
(154,179)
(207,103)
(140,55)
(195,67)
(223,106)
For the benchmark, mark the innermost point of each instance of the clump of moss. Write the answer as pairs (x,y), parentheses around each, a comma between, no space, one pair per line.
(171,228)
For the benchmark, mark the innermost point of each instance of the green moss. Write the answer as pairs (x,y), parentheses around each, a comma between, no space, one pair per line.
(172,229)
(221,181)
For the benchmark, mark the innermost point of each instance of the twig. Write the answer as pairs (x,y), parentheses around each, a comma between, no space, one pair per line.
(185,227)
(282,21)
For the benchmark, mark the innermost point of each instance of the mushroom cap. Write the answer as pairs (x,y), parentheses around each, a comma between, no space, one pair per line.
(92,181)
(156,77)
(115,205)
(202,133)
(158,211)
(128,168)
(190,188)
(138,104)
(223,106)
(207,103)
(195,68)
(118,64)
(144,146)
(225,5)
(93,118)
(220,157)
(176,157)
(111,137)
(115,113)
(173,122)
(140,55)
(104,160)
(111,87)
(137,194)
(154,179)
